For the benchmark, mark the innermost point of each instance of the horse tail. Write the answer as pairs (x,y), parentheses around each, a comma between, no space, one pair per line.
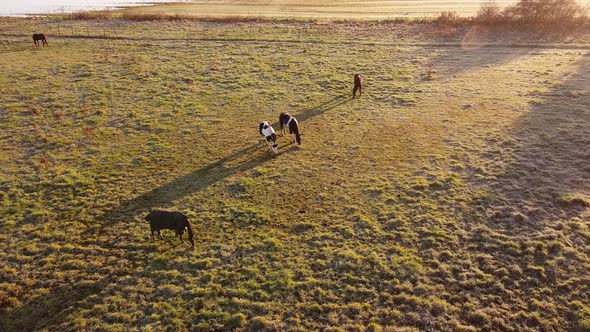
(296,131)
(191,233)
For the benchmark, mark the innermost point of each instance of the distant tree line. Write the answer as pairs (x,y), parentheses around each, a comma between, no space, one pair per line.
(547,13)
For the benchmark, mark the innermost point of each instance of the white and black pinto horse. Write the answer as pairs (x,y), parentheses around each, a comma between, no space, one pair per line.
(266,130)
(287,121)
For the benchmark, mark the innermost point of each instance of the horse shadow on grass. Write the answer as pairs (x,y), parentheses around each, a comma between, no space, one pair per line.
(239,161)
(534,211)
(51,310)
(550,154)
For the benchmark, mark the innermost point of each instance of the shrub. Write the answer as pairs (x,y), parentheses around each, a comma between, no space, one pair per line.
(450,18)
(489,13)
(546,12)
(537,13)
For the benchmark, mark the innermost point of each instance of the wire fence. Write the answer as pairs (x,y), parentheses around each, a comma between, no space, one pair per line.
(189,31)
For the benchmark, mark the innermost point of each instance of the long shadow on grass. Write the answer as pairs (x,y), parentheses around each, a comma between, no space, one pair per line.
(200,179)
(48,312)
(52,309)
(456,61)
(550,159)
(532,217)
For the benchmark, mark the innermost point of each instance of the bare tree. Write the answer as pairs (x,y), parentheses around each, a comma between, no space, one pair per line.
(546,12)
(489,13)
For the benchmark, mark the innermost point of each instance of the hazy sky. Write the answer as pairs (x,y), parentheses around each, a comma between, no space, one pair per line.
(14,7)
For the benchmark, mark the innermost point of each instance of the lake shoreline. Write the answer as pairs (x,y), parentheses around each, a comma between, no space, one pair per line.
(45,10)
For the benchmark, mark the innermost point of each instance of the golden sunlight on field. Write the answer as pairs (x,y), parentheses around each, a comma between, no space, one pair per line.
(453,194)
(346,9)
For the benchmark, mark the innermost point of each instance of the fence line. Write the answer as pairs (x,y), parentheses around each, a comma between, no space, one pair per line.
(244,32)
(254,31)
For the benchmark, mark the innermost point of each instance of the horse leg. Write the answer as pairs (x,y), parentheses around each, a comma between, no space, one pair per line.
(179,233)
(161,237)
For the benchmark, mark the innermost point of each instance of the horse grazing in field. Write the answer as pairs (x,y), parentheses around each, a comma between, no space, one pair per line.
(287,121)
(266,130)
(170,220)
(357,85)
(39,37)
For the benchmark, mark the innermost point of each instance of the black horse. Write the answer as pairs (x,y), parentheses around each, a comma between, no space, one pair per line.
(170,220)
(287,121)
(39,37)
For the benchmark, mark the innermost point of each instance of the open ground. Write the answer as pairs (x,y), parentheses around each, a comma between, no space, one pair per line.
(456,199)
(321,9)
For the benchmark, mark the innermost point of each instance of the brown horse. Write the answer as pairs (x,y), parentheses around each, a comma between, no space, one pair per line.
(170,220)
(357,85)
(39,37)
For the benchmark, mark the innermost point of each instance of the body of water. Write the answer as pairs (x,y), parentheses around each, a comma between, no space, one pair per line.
(33,7)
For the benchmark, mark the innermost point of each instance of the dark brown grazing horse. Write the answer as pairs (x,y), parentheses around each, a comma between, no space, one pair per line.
(170,220)
(357,85)
(39,37)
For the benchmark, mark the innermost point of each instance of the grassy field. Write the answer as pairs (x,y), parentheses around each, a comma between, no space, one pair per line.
(454,201)
(320,9)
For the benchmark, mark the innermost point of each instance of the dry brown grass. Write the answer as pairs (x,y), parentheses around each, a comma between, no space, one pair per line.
(132,16)
(542,15)
(153,17)
(92,15)
(452,18)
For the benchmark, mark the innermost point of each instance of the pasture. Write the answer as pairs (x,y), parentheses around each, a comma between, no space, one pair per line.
(456,199)
(321,9)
